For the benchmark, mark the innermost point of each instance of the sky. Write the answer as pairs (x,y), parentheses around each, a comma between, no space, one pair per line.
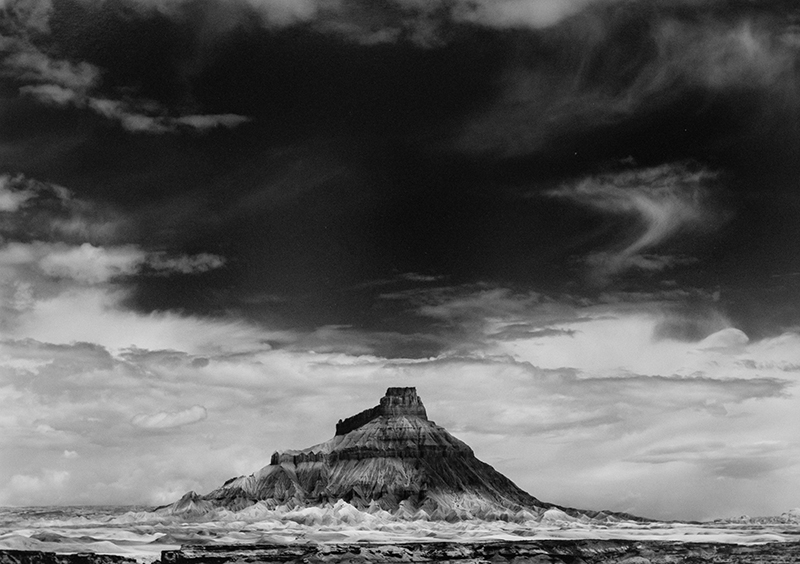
(573,225)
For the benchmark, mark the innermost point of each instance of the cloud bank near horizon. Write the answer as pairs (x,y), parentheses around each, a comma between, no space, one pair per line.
(191,421)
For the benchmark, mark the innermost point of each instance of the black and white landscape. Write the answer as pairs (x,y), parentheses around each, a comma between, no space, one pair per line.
(571,225)
(390,486)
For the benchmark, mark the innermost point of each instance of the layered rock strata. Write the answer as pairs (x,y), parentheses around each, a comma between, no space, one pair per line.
(387,458)
(396,402)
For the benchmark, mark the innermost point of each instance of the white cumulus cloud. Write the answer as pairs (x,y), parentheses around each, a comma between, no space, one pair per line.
(12,198)
(87,263)
(61,82)
(185,264)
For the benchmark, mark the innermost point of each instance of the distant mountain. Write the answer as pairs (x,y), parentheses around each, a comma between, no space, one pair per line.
(391,458)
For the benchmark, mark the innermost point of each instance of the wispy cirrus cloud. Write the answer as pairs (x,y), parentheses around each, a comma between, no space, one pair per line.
(156,120)
(661,203)
(360,21)
(466,303)
(31,65)
(184,264)
(97,264)
(60,82)
(167,419)
(671,53)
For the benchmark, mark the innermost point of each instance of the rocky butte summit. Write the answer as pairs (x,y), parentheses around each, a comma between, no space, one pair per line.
(388,458)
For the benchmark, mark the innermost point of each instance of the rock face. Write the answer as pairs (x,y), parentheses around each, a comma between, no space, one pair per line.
(389,457)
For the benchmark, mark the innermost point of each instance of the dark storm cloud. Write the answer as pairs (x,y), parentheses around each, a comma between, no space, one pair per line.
(289,57)
(59,82)
(618,69)
(230,59)
(350,142)
(594,66)
(269,208)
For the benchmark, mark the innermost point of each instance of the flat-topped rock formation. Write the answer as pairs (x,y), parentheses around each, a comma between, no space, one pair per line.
(396,402)
(390,457)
